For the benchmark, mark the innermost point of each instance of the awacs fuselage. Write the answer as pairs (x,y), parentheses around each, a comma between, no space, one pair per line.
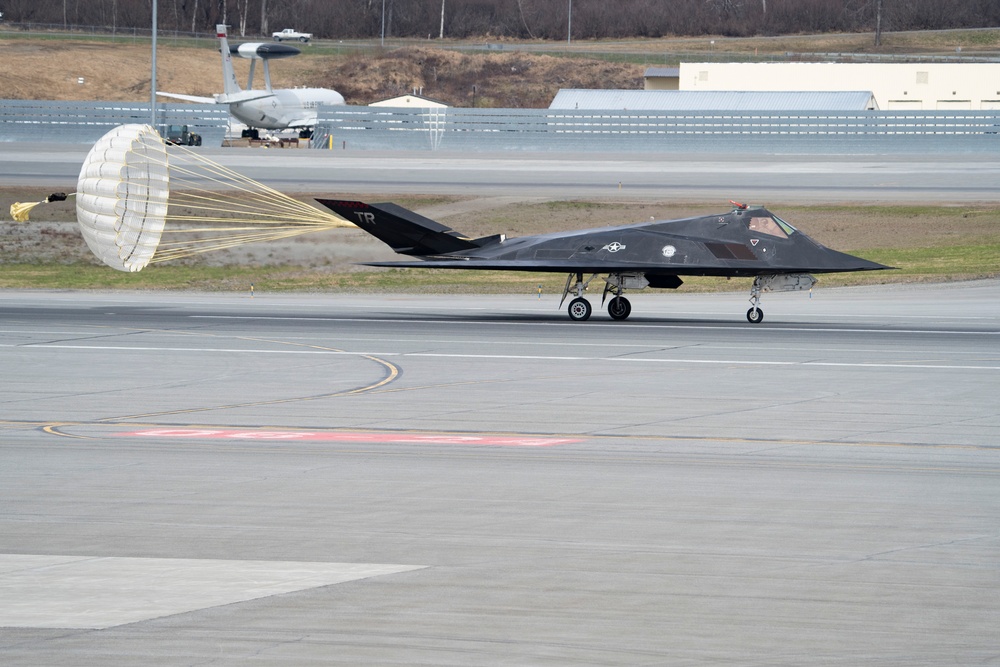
(750,242)
(284,108)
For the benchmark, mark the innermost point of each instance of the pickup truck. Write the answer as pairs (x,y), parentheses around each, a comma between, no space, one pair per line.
(293,35)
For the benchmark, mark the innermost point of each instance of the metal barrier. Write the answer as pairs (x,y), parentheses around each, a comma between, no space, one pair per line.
(458,129)
(86,122)
(482,130)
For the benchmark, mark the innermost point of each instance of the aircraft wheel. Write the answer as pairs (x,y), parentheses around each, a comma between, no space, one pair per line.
(755,315)
(579,309)
(619,308)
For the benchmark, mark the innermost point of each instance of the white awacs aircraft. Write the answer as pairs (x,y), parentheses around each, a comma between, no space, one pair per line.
(268,109)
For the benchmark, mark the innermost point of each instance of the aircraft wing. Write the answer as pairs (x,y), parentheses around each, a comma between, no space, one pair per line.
(188,98)
(296,123)
(708,267)
(243,96)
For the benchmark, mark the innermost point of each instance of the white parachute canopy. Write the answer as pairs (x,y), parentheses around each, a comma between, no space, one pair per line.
(137,204)
(122,193)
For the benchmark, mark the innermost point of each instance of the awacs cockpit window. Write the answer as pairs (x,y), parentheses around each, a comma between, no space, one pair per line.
(771,226)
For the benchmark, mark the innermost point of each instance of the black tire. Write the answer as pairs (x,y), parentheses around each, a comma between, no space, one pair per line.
(619,308)
(579,309)
(755,315)
(303,39)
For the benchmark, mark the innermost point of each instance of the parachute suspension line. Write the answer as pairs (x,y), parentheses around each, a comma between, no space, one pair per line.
(247,185)
(140,204)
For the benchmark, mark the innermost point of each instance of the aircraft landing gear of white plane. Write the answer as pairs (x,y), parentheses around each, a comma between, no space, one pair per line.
(579,308)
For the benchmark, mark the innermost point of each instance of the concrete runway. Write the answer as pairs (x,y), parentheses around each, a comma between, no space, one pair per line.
(296,479)
(702,177)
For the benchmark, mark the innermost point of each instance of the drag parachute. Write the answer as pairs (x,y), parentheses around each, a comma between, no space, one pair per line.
(139,202)
(121,198)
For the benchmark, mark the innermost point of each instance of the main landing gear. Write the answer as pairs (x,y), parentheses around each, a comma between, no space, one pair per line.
(580,309)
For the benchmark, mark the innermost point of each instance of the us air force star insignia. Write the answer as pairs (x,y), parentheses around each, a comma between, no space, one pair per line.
(614,246)
(669,251)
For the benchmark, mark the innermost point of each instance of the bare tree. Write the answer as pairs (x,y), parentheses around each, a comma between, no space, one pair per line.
(878,22)
(243,11)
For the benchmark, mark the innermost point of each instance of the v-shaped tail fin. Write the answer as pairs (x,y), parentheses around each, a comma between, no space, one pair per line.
(406,232)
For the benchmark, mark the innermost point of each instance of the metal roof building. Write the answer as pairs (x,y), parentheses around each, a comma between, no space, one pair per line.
(410,100)
(697,100)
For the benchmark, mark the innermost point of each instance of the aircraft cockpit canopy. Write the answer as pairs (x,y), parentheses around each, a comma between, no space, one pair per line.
(770,225)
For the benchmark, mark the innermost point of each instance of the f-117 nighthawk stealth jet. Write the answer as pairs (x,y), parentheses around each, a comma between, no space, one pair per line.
(745,242)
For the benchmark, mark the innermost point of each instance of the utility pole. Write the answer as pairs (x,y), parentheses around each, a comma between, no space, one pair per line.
(383,24)
(441,36)
(152,76)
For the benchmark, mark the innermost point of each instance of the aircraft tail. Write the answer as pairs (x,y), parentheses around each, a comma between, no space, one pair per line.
(229,84)
(406,232)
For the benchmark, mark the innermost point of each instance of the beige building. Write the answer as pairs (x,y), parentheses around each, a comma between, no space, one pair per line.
(661,78)
(895,86)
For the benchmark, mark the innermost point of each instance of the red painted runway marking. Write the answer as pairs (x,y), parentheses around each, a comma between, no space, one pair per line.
(331,436)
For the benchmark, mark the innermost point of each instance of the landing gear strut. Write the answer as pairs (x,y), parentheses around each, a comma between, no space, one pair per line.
(755,315)
(619,308)
(579,308)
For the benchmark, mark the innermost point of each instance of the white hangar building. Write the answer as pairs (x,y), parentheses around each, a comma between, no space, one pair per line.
(896,86)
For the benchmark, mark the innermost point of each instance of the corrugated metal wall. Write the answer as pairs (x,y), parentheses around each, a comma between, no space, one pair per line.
(482,130)
(86,122)
(861,132)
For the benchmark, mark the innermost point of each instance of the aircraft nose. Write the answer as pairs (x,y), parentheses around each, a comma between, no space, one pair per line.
(845,262)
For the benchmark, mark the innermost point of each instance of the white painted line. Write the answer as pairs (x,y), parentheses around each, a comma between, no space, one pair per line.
(523,357)
(616,325)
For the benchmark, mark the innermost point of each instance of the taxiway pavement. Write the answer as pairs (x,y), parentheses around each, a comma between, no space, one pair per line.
(478,480)
(769,179)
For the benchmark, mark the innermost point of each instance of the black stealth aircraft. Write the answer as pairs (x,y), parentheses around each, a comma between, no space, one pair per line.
(746,242)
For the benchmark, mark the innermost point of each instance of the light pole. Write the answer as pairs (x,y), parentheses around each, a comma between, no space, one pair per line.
(152,77)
